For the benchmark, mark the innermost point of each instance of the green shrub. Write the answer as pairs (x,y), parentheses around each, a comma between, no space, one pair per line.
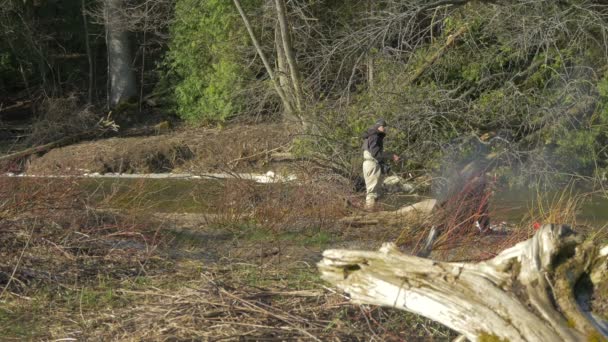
(204,55)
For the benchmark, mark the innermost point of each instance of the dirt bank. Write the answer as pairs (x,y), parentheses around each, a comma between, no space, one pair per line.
(238,148)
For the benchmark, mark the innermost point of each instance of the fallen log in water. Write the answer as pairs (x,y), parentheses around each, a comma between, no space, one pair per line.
(528,292)
(268,177)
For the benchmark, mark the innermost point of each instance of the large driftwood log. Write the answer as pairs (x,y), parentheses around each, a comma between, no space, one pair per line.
(526,293)
(407,213)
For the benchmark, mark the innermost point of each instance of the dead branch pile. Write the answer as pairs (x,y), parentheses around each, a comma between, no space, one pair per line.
(61,117)
(218,311)
(218,307)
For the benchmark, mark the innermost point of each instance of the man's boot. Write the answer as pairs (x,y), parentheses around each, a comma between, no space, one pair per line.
(370,203)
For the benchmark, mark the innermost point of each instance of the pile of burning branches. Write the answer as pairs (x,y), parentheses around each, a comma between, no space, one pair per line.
(460,226)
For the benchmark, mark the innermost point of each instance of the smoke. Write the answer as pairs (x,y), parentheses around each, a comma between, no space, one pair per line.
(463,159)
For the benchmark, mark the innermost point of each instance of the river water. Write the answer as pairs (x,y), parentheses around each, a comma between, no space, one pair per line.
(515,205)
(199,195)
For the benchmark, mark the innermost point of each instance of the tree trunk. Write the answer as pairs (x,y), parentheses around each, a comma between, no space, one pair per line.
(282,70)
(370,73)
(143,60)
(89,54)
(288,49)
(429,62)
(370,57)
(122,76)
(528,292)
(288,107)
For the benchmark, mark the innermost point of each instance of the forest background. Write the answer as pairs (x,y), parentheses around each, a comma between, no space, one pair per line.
(526,79)
(104,88)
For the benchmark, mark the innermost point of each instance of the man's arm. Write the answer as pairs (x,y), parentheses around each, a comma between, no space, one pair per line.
(374,149)
(390,155)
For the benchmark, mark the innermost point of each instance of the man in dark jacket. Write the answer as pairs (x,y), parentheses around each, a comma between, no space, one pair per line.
(373,159)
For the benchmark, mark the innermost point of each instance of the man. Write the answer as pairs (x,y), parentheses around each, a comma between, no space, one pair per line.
(373,159)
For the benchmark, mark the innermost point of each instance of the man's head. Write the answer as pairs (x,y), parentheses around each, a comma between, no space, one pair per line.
(380,125)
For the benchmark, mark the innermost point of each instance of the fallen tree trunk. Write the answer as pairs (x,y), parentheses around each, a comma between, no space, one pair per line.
(529,292)
(268,177)
(407,213)
(450,41)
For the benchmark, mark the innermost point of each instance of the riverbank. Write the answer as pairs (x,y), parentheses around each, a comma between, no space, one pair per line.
(239,148)
(117,255)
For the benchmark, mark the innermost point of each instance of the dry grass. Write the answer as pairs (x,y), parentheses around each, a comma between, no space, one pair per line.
(461,239)
(60,117)
(561,207)
(47,222)
(241,148)
(216,306)
(463,221)
(239,266)
(68,271)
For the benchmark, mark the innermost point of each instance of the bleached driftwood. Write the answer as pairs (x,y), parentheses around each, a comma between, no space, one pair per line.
(406,213)
(396,183)
(526,293)
(268,177)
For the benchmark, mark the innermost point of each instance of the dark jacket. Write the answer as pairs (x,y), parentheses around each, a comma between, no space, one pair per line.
(373,141)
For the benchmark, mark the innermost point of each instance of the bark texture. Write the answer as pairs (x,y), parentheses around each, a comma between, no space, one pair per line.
(122,76)
(528,292)
(288,106)
(294,73)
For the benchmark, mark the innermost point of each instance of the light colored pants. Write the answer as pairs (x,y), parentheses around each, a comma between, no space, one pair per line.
(373,178)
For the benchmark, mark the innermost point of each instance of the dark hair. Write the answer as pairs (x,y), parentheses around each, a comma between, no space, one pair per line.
(380,122)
